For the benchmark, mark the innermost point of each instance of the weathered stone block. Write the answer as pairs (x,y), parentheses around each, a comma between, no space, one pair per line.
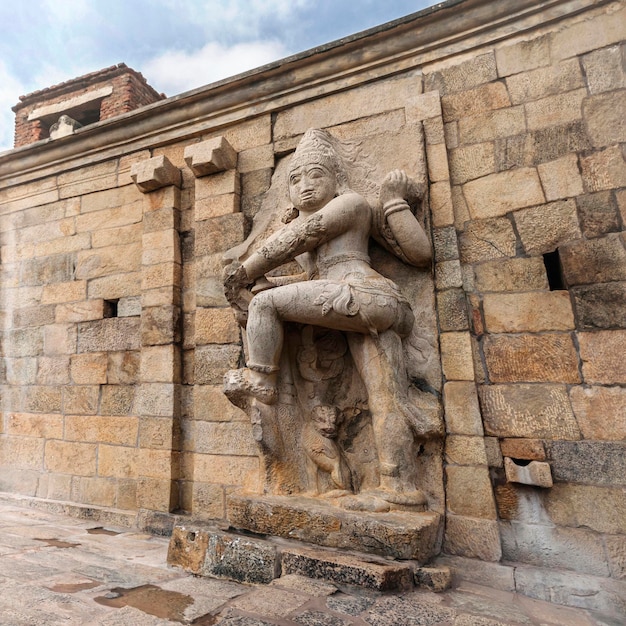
(473,161)
(561,178)
(452,309)
(472,538)
(220,233)
(216,206)
(498,194)
(47,426)
(603,115)
(588,462)
(109,335)
(578,506)
(448,275)
(545,81)
(213,361)
(116,286)
(346,569)
(208,501)
(45,271)
(456,356)
(441,206)
(600,306)
(213,325)
(110,218)
(544,228)
(227,470)
(117,399)
(66,457)
(211,156)
(592,406)
(122,368)
(492,125)
(597,213)
(212,405)
(156,494)
(160,325)
(487,239)
(559,109)
(435,579)
(462,412)
(462,76)
(117,461)
(528,312)
(529,449)
(155,173)
(594,261)
(468,491)
(81,400)
(522,56)
(58,293)
(121,430)
(89,368)
(601,354)
(53,370)
(604,169)
(533,411)
(604,69)
(463,450)
(511,275)
(42,399)
(531,358)
(478,100)
(535,473)
(157,399)
(227,438)
(445,244)
(396,534)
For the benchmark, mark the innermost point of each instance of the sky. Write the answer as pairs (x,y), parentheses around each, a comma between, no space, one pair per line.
(177,45)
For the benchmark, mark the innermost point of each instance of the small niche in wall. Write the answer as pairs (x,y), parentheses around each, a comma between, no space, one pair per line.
(554,270)
(110,308)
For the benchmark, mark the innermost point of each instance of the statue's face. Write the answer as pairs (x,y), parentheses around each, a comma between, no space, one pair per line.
(311,187)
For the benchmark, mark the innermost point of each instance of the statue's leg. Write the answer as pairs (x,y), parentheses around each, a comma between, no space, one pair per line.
(380,363)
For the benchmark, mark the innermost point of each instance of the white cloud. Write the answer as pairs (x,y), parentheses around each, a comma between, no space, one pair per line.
(175,71)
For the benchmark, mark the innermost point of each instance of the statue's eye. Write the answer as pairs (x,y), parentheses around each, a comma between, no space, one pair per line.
(316,173)
(294,180)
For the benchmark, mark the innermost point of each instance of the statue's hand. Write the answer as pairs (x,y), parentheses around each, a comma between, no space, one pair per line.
(235,281)
(394,187)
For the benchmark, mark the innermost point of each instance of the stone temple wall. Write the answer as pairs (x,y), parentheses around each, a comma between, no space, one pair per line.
(116,332)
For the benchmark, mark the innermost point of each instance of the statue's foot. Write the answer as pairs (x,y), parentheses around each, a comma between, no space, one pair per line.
(239,387)
(365,501)
(415,497)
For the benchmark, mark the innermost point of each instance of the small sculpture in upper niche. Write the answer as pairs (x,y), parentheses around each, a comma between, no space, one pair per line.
(342,366)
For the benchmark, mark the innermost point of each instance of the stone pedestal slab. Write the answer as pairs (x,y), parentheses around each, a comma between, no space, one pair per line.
(399,535)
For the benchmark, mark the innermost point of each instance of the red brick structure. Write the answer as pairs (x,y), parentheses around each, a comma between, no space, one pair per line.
(87,99)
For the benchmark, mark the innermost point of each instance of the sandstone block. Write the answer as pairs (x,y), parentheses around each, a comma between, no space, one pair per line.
(257,158)
(529,449)
(154,463)
(164,218)
(212,405)
(227,438)
(79,311)
(472,538)
(483,98)
(493,453)
(41,399)
(469,492)
(168,198)
(561,178)
(472,161)
(107,261)
(38,315)
(461,76)
(210,156)
(347,570)
(217,185)
(156,494)
(20,372)
(603,116)
(65,457)
(434,131)
(462,450)
(157,399)
(498,194)
(89,368)
(528,312)
(616,553)
(604,169)
(110,218)
(604,69)
(155,173)
(562,108)
(531,358)
(602,356)
(441,204)
(452,309)
(160,247)
(523,56)
(93,490)
(122,368)
(109,335)
(520,274)
(456,356)
(114,287)
(87,179)
(47,426)
(159,433)
(532,411)
(117,461)
(492,125)
(578,506)
(117,399)
(160,364)
(435,579)
(445,244)
(448,275)
(220,233)
(117,430)
(81,400)
(594,261)
(213,361)
(160,325)
(597,213)
(160,277)
(58,293)
(227,470)
(426,107)
(592,406)
(216,206)
(45,271)
(21,453)
(208,501)
(600,306)
(216,326)
(462,412)
(598,463)
(23,342)
(53,370)
(487,239)
(545,81)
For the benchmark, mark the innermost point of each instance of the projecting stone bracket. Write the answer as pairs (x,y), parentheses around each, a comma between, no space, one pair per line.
(536,473)
(154,173)
(211,156)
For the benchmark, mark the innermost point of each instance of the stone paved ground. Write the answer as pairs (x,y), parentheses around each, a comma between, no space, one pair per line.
(61,570)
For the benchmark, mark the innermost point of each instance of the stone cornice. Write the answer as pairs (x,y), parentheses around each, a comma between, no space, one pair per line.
(403,45)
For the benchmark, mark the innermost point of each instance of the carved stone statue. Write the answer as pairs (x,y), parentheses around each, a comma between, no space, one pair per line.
(332,325)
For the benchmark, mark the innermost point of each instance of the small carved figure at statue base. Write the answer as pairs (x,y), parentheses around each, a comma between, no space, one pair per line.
(339,290)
